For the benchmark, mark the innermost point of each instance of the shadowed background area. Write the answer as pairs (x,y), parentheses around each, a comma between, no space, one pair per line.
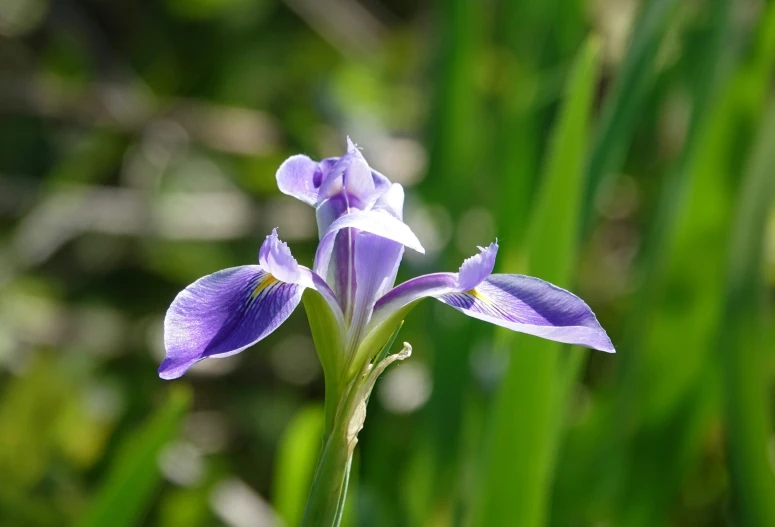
(623,149)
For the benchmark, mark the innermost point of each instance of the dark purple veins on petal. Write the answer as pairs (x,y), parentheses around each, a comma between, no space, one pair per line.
(222,314)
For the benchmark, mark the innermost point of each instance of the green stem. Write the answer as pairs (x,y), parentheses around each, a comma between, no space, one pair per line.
(348,408)
(329,487)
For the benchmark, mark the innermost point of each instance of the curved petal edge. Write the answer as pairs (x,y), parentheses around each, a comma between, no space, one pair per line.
(222,314)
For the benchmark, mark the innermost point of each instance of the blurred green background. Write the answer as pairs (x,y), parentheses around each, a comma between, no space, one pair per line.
(623,149)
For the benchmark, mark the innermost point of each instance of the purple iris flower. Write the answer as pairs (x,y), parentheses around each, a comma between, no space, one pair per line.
(362,240)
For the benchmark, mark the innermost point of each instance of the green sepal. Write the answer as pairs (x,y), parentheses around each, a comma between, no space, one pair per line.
(328,337)
(374,343)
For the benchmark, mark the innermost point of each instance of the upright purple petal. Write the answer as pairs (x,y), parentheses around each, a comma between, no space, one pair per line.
(351,176)
(374,221)
(358,179)
(275,257)
(342,269)
(300,177)
(222,314)
(381,182)
(376,264)
(391,201)
(328,211)
(476,268)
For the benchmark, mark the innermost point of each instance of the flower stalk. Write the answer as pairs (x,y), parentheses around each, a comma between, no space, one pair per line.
(329,485)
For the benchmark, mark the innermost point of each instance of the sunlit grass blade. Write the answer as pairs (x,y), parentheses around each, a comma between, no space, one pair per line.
(633,81)
(616,453)
(453,173)
(676,398)
(295,466)
(710,72)
(742,343)
(517,471)
(133,479)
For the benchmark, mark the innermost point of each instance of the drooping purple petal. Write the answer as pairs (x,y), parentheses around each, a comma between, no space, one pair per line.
(300,177)
(429,285)
(473,271)
(222,314)
(533,306)
(476,268)
(228,311)
(374,221)
(376,264)
(520,303)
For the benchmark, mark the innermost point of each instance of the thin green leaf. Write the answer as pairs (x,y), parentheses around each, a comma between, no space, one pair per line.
(742,342)
(133,479)
(298,452)
(518,466)
(628,94)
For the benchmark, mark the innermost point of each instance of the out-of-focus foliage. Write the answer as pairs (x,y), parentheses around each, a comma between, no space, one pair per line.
(138,146)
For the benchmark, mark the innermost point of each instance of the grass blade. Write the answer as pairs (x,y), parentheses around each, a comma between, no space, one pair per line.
(742,345)
(627,95)
(518,465)
(296,459)
(134,476)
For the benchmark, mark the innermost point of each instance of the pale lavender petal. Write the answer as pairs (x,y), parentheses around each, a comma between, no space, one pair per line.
(434,285)
(342,269)
(351,177)
(328,211)
(375,222)
(222,314)
(521,303)
(275,257)
(475,269)
(391,201)
(300,177)
(381,182)
(326,165)
(533,306)
(358,179)
(376,264)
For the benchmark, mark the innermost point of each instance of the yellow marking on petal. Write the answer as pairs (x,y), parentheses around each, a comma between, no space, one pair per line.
(263,284)
(477,294)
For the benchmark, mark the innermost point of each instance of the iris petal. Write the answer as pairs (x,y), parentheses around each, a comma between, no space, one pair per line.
(228,311)
(275,257)
(300,177)
(376,264)
(374,221)
(224,313)
(520,303)
(391,201)
(475,269)
(533,306)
